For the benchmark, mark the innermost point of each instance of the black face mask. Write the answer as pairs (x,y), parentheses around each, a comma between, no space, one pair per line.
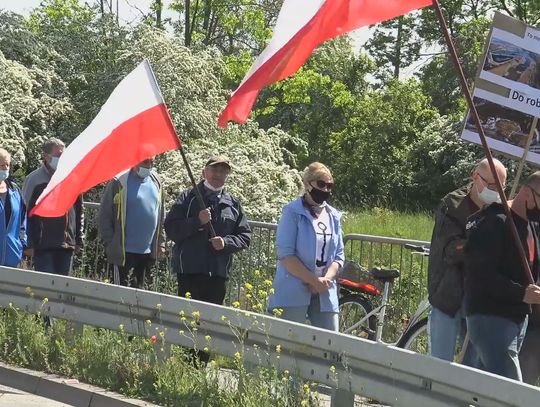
(319,196)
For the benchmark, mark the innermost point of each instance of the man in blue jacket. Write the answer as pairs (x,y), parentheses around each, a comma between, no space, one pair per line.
(203,263)
(12,216)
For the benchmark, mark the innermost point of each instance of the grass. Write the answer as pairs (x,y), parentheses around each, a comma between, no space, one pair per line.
(137,367)
(384,222)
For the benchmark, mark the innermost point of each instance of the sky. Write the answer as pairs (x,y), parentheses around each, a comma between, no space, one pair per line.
(131,10)
(127,9)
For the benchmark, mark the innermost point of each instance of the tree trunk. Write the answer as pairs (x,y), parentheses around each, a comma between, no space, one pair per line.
(206,19)
(397,55)
(158,6)
(187,18)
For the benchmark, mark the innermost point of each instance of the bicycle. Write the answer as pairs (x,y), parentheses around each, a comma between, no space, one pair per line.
(360,318)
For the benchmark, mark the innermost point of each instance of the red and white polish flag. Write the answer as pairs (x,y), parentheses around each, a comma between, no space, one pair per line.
(301,26)
(132,125)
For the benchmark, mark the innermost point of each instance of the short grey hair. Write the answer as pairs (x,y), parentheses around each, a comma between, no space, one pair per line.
(49,145)
(4,153)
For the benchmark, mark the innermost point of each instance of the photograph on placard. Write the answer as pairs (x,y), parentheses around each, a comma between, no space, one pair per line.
(502,123)
(506,130)
(512,62)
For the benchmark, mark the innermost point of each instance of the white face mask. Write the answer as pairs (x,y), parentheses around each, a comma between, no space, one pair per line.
(3,175)
(489,196)
(54,162)
(144,172)
(211,188)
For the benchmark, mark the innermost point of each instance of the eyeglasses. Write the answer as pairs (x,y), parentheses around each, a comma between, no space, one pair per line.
(490,185)
(321,185)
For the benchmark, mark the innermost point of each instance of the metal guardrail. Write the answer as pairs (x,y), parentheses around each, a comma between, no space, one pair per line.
(390,375)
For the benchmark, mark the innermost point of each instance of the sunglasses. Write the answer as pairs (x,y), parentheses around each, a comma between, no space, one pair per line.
(321,184)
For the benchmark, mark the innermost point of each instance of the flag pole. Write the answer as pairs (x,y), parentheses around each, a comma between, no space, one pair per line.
(198,194)
(195,186)
(524,157)
(465,88)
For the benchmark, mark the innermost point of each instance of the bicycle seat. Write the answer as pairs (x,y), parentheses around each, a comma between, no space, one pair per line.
(359,287)
(385,274)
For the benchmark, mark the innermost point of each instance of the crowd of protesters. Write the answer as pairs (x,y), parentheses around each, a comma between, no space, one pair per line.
(480,295)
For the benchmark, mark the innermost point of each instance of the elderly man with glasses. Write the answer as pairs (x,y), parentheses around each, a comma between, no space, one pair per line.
(498,295)
(445,272)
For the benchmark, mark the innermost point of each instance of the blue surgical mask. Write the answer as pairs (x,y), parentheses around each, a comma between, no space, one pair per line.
(3,175)
(54,163)
(144,172)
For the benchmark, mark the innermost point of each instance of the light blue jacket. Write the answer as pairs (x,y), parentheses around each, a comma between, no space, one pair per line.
(296,237)
(12,233)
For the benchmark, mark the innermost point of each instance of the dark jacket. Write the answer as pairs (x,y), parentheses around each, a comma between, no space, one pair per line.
(12,227)
(192,252)
(445,270)
(495,281)
(63,232)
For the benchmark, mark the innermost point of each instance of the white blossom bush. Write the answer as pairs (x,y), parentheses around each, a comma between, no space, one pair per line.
(53,87)
(29,110)
(263,175)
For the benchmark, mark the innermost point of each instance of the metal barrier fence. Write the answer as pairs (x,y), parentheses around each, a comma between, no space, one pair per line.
(260,256)
(394,376)
(258,263)
(409,289)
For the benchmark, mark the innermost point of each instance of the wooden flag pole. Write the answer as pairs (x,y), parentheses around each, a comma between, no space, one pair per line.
(196,189)
(198,195)
(523,158)
(465,88)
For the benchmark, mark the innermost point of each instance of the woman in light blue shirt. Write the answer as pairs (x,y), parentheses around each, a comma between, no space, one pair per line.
(310,253)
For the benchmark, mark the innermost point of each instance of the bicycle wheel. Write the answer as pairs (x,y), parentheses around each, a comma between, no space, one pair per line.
(352,308)
(416,338)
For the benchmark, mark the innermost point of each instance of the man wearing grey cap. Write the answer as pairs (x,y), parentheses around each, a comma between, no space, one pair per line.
(201,262)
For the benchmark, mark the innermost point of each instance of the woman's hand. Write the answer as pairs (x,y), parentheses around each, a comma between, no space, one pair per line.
(320,285)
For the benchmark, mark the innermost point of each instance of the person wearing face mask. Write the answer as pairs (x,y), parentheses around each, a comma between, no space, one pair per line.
(12,216)
(51,241)
(446,322)
(130,223)
(310,252)
(498,296)
(203,263)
